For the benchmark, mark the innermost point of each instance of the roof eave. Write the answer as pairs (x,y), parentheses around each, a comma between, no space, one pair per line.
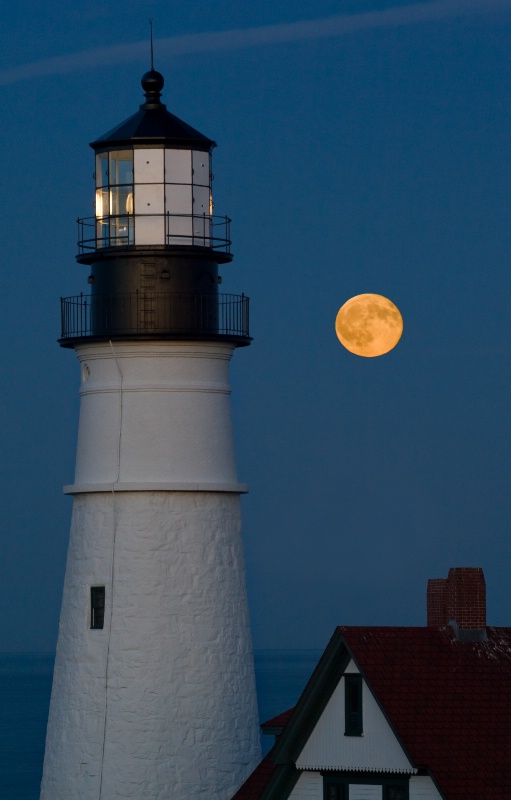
(153,125)
(313,701)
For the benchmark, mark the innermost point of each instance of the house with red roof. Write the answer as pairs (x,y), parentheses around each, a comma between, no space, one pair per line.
(401,713)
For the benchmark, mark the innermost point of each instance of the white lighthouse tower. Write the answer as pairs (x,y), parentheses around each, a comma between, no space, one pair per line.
(153,691)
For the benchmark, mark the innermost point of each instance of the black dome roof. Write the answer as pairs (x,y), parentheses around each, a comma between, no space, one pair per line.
(154,124)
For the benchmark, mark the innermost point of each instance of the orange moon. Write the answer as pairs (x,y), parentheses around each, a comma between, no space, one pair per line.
(369,325)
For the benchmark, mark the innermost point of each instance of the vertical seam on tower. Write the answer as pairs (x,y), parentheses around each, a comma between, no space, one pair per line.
(120,413)
(112,567)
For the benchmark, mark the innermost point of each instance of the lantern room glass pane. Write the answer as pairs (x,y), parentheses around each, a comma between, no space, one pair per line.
(121,231)
(178,166)
(120,169)
(201,169)
(201,200)
(121,200)
(102,169)
(102,202)
(114,198)
(148,165)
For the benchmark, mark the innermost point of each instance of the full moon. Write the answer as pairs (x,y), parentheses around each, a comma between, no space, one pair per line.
(369,325)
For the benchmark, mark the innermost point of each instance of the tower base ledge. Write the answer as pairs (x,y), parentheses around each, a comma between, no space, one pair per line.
(84,488)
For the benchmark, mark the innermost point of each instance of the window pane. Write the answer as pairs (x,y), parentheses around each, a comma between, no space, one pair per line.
(121,231)
(395,793)
(97,603)
(200,163)
(178,166)
(354,698)
(121,167)
(102,169)
(353,705)
(122,200)
(102,203)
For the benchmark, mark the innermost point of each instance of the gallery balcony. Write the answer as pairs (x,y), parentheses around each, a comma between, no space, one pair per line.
(154,316)
(101,235)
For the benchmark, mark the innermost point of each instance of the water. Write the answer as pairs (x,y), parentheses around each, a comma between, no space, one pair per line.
(281,676)
(25,686)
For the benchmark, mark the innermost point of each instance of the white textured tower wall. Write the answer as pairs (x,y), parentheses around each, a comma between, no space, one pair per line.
(161,702)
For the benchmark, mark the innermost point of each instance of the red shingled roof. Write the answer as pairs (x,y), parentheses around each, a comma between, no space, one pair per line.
(448,701)
(280,721)
(254,785)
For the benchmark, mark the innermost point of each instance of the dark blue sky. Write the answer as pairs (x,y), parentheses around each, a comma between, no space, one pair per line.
(369,154)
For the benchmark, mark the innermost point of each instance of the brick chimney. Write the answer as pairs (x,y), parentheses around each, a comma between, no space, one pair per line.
(459,598)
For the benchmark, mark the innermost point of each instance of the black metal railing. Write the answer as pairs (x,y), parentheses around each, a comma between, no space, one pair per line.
(150,314)
(126,230)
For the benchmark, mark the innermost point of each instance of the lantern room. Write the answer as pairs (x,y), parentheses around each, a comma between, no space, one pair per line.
(153,183)
(148,196)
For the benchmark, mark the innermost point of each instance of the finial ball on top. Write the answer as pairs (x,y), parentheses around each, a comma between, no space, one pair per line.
(152,82)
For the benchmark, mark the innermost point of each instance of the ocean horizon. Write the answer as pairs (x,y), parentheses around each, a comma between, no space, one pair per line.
(25,688)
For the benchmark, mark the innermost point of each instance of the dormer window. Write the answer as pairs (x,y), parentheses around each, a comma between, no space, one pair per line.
(353,705)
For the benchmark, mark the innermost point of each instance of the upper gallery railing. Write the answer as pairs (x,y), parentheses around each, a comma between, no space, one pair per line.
(155,314)
(126,230)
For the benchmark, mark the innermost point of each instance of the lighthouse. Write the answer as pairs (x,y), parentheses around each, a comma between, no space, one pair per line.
(153,692)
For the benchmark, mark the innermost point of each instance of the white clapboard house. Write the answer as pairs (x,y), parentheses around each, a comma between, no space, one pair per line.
(395,713)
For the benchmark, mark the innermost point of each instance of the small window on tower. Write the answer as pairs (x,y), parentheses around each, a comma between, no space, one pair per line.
(353,705)
(97,606)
